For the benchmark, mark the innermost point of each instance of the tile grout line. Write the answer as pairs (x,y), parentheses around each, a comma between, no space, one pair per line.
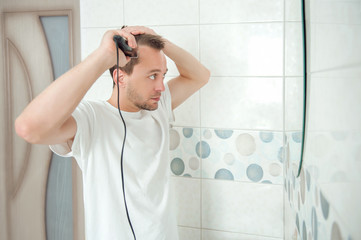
(284,113)
(200,128)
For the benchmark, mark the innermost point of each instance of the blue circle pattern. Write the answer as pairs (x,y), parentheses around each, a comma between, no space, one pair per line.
(177,166)
(224,174)
(297,137)
(266,136)
(325,206)
(255,172)
(224,134)
(188,132)
(280,155)
(202,149)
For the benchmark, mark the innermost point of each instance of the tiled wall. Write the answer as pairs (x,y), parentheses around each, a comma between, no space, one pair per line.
(323,203)
(226,143)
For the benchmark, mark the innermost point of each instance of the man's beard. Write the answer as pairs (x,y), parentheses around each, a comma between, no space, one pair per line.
(136,99)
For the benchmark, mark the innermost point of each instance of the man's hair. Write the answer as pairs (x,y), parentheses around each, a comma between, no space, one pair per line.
(152,41)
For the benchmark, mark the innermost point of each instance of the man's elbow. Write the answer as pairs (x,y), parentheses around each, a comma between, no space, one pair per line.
(206,74)
(24,130)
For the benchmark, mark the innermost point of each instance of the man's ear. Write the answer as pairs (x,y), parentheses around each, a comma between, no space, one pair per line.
(120,79)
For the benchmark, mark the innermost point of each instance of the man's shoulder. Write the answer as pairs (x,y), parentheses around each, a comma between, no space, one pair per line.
(92,105)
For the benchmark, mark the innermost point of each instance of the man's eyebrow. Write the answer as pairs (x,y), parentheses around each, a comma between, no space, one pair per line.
(157,70)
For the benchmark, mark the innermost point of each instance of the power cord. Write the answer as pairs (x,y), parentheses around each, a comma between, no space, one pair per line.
(121,156)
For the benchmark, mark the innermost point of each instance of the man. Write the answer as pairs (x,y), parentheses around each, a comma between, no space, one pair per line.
(92,132)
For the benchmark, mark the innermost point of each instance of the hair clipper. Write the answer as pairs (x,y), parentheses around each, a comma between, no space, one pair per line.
(123,45)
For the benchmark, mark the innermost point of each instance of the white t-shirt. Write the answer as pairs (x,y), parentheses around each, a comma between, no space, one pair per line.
(97,149)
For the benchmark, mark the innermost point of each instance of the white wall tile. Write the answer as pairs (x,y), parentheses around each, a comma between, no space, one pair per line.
(242,207)
(235,11)
(242,103)
(101,89)
(189,233)
(187,114)
(188,197)
(290,216)
(186,37)
(219,235)
(331,47)
(337,12)
(101,13)
(333,106)
(90,40)
(294,110)
(254,49)
(161,12)
(294,49)
(293,10)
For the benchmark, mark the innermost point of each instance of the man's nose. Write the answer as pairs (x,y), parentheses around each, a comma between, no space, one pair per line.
(160,86)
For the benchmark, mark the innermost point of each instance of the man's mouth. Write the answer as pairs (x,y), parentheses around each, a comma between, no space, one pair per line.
(156,98)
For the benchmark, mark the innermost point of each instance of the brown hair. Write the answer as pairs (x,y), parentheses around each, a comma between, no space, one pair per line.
(153,41)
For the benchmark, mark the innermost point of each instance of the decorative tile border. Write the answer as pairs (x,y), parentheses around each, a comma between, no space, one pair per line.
(314,216)
(227,154)
(183,157)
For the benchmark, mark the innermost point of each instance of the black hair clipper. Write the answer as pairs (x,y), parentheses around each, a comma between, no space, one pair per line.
(123,45)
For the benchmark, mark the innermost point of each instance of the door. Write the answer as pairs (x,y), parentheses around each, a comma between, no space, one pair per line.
(38,199)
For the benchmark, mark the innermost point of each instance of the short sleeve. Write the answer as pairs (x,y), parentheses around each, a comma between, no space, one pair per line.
(166,101)
(84,116)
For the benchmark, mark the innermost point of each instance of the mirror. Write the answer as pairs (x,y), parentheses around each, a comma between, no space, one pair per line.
(296,127)
(238,118)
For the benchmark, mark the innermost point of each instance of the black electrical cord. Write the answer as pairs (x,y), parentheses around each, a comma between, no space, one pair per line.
(121,156)
(304,36)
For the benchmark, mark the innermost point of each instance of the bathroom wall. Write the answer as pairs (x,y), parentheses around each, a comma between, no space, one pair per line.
(227,140)
(323,203)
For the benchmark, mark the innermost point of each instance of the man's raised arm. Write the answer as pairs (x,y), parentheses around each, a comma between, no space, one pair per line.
(47,119)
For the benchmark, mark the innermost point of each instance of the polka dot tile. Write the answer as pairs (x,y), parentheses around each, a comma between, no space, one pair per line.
(247,156)
(183,142)
(314,216)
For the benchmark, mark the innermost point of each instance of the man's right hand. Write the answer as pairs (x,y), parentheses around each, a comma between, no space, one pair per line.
(108,46)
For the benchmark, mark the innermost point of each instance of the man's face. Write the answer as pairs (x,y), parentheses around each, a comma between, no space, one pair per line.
(145,85)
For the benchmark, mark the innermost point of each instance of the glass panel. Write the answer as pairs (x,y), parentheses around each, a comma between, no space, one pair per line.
(59,218)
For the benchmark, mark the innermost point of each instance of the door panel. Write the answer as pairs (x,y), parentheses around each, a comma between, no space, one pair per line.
(29,70)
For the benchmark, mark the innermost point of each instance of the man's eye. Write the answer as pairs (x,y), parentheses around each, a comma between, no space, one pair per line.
(153,77)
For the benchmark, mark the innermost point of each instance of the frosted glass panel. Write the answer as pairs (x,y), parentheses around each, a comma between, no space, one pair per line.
(59,219)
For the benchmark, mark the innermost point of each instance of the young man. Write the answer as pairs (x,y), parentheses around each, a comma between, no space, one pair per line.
(93,132)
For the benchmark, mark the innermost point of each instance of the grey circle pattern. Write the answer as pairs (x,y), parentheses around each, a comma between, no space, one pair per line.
(274,169)
(314,224)
(336,232)
(174,139)
(207,134)
(246,144)
(193,163)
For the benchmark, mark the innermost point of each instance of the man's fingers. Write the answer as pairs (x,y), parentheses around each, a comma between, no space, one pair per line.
(128,36)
